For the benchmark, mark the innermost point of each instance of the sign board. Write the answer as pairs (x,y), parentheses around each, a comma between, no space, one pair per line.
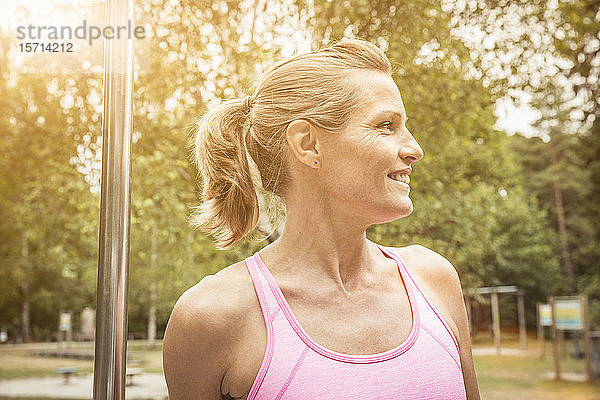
(88,319)
(65,321)
(569,313)
(545,315)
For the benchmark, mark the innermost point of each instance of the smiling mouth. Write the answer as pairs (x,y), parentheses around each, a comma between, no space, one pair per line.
(400,178)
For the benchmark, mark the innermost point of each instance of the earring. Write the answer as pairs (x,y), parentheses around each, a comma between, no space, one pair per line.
(316,162)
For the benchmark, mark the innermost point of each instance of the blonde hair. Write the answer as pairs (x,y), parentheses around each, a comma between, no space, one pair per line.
(314,86)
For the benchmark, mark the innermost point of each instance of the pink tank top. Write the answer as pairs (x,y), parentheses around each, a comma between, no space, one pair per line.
(425,366)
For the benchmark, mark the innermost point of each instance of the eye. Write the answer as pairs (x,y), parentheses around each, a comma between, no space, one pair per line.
(387,125)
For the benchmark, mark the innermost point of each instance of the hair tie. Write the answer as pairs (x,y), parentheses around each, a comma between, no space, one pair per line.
(246,105)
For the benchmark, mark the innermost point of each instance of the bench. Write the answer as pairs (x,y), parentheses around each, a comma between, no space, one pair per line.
(130,373)
(66,372)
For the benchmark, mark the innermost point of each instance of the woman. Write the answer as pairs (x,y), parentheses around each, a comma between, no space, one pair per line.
(321,313)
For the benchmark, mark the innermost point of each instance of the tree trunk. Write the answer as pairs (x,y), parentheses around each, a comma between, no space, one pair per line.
(152,317)
(562,226)
(25,320)
(152,305)
(562,230)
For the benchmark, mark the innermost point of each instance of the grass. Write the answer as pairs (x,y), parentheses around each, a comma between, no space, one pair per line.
(16,363)
(499,377)
(514,377)
(524,376)
(30,398)
(23,363)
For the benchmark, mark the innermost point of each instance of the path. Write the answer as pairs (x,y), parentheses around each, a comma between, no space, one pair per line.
(146,386)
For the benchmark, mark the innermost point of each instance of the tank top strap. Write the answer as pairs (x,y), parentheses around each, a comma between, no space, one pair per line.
(429,311)
(406,275)
(268,302)
(296,367)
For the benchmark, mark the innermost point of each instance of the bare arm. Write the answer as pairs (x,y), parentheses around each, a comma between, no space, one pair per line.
(194,362)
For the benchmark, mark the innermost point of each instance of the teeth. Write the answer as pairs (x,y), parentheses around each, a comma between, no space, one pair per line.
(400,178)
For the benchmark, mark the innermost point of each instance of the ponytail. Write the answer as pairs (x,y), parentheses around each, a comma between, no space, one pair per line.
(229,210)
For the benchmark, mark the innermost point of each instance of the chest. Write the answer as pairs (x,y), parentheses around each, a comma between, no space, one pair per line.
(367,324)
(373,322)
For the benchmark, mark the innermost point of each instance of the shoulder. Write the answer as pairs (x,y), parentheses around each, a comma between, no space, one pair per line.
(216,301)
(439,280)
(440,283)
(203,329)
(430,267)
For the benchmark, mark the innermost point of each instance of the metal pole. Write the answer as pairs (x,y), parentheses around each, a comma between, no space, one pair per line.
(113,257)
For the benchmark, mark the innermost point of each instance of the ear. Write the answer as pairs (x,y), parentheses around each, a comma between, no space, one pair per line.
(302,138)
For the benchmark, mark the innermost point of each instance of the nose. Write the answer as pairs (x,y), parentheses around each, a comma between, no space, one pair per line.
(410,149)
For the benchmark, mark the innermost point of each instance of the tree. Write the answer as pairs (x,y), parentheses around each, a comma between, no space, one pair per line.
(50,211)
(550,52)
(468,190)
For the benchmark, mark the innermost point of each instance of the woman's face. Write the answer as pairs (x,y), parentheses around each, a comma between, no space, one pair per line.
(366,166)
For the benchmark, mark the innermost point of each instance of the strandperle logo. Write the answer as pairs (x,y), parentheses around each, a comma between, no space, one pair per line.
(83,31)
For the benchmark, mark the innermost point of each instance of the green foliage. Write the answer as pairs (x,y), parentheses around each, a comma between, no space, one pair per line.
(481,198)
(467,191)
(577,187)
(47,244)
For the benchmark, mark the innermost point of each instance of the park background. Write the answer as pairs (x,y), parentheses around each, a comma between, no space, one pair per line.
(501,95)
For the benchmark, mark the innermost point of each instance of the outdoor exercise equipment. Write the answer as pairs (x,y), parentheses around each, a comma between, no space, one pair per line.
(494,291)
(565,313)
(113,257)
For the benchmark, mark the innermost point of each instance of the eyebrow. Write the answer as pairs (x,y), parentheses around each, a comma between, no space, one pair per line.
(399,114)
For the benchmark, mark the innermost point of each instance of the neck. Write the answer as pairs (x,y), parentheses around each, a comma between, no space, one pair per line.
(324,247)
